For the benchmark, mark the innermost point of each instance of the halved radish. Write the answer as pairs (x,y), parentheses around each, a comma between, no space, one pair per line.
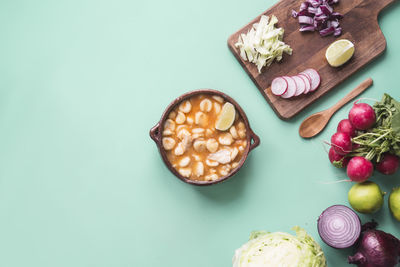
(306,81)
(291,89)
(315,78)
(279,86)
(301,85)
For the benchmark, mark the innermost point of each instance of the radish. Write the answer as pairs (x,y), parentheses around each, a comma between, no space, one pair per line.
(362,116)
(388,164)
(306,82)
(314,78)
(290,90)
(341,143)
(301,86)
(359,169)
(279,86)
(292,87)
(337,160)
(345,126)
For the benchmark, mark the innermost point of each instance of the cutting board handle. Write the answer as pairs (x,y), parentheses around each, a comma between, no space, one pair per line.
(379,5)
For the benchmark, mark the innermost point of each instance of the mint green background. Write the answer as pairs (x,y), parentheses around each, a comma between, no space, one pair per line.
(81,182)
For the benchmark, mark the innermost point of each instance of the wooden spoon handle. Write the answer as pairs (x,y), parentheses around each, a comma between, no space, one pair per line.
(355,92)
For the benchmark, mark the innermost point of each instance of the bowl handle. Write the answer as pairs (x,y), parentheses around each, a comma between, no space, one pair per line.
(254,140)
(154,133)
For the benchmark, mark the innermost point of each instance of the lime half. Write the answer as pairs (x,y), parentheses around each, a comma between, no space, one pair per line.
(339,52)
(226,117)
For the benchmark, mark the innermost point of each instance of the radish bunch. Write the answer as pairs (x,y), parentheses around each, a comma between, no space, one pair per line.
(344,154)
(289,86)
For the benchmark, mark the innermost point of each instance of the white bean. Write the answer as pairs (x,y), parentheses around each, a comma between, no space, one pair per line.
(217,108)
(167,132)
(222,156)
(169,125)
(187,141)
(225,139)
(218,98)
(206,105)
(199,169)
(185,172)
(172,115)
(199,145)
(211,177)
(209,133)
(182,133)
(242,133)
(180,127)
(168,143)
(241,126)
(185,107)
(212,145)
(235,164)
(196,157)
(179,149)
(233,132)
(211,163)
(184,162)
(198,130)
(200,119)
(224,170)
(180,118)
(234,153)
(189,120)
(241,148)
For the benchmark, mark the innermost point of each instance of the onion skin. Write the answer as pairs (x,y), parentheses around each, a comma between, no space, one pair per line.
(376,248)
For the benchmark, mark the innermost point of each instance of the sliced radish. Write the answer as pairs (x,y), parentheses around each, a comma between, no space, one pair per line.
(279,86)
(301,85)
(315,78)
(306,82)
(291,89)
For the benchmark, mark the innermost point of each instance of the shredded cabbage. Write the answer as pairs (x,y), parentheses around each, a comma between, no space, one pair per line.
(279,249)
(263,43)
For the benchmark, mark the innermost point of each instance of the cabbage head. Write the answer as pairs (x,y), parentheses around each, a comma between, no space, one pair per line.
(280,249)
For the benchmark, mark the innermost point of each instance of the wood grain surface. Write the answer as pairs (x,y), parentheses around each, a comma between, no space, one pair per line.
(360,25)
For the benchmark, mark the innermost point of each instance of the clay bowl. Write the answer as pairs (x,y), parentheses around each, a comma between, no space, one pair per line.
(156,134)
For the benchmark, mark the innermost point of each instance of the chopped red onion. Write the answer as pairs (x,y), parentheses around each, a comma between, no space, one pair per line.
(318,15)
(327,31)
(305,20)
(308,28)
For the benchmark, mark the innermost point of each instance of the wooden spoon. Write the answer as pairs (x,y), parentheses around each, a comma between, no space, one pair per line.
(314,124)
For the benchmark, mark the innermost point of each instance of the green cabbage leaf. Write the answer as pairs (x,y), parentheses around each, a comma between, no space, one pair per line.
(280,249)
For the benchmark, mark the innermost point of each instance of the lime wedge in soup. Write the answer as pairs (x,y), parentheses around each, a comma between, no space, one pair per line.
(226,117)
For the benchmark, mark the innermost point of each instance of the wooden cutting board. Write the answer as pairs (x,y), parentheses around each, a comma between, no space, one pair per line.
(360,25)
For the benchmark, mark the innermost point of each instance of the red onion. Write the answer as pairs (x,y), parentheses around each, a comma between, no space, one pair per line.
(318,15)
(339,226)
(376,248)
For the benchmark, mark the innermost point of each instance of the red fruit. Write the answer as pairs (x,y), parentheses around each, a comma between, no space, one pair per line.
(359,169)
(388,164)
(345,126)
(337,160)
(341,143)
(362,116)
